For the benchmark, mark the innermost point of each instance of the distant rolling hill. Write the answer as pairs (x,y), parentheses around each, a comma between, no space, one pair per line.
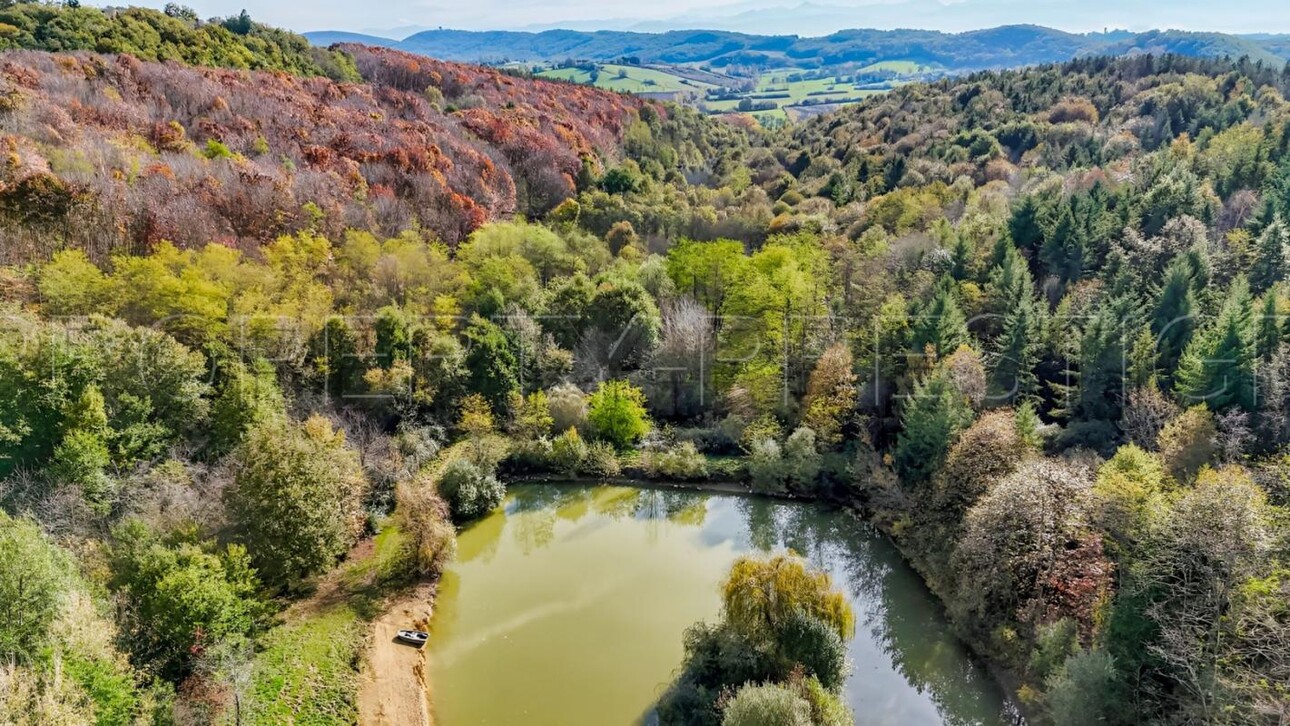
(1005,46)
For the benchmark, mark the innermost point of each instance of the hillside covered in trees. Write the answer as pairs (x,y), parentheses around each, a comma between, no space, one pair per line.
(92,141)
(1005,46)
(1032,323)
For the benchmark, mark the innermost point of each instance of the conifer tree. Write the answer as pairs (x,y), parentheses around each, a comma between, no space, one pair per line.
(1016,351)
(1270,262)
(1268,336)
(1065,248)
(934,415)
(1173,322)
(1217,368)
(1027,225)
(941,323)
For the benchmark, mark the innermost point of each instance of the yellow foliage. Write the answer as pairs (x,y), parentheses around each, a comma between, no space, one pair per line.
(761,594)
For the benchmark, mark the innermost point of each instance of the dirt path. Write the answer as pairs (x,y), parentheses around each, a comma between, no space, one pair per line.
(393,688)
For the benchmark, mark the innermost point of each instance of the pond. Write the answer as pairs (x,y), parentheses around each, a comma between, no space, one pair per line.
(567,606)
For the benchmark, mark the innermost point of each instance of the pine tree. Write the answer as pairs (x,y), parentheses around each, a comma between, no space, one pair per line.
(1173,322)
(1268,338)
(1017,348)
(1270,263)
(934,415)
(961,255)
(1102,361)
(1065,248)
(941,323)
(1028,223)
(1217,368)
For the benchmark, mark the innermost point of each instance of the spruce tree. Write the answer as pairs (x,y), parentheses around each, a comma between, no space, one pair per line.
(1028,223)
(1268,337)
(941,323)
(1016,352)
(1065,248)
(1103,359)
(934,415)
(1270,262)
(1217,368)
(1173,322)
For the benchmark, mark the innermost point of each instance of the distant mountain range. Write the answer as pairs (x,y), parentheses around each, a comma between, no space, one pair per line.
(1004,46)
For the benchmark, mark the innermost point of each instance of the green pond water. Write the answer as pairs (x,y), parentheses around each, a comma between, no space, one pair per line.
(566,606)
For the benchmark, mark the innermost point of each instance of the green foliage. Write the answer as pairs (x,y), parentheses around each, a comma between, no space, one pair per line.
(1081,692)
(1217,368)
(830,398)
(296,499)
(70,284)
(306,671)
(680,462)
(766,705)
(470,492)
(214,149)
(1187,442)
(934,415)
(183,600)
(1129,485)
(940,326)
(34,579)
(1054,643)
(815,646)
(534,418)
(616,414)
(152,35)
(248,397)
(425,524)
(491,365)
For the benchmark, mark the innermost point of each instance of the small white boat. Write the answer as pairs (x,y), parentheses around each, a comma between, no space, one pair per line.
(413,637)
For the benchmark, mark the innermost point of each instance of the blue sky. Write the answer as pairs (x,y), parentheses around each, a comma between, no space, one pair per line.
(805,17)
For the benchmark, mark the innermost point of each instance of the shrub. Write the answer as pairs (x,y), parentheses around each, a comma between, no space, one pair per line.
(248,397)
(183,599)
(766,466)
(682,461)
(1054,643)
(1187,442)
(469,491)
(424,519)
(801,459)
(296,499)
(33,581)
(1082,693)
(601,461)
(816,647)
(986,452)
(766,705)
(568,407)
(568,452)
(1126,486)
(532,456)
(827,708)
(616,413)
(534,419)
(216,149)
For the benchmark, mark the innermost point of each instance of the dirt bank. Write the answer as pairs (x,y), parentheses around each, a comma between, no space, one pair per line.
(394,686)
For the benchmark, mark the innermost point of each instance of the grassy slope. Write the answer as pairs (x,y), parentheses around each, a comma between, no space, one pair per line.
(636,80)
(308,670)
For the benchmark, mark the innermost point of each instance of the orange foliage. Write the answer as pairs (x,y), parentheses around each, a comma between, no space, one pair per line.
(376,155)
